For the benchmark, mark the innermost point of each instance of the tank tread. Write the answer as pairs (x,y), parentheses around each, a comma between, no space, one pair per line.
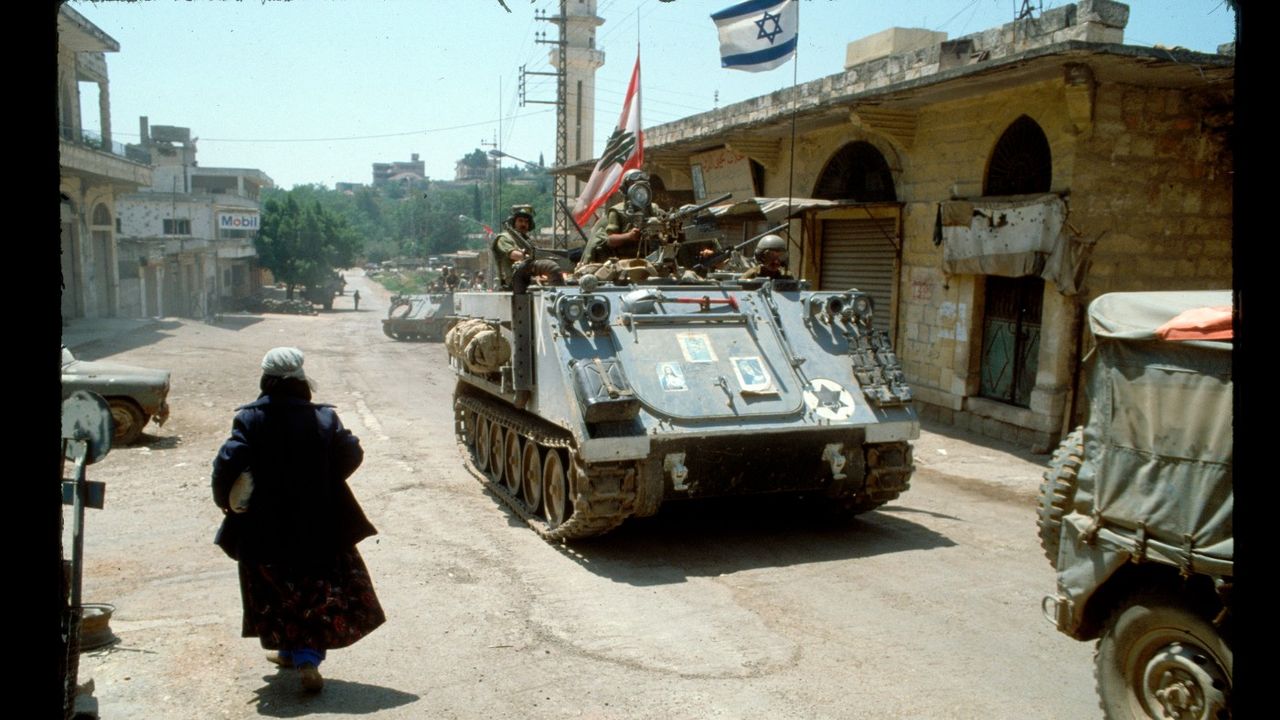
(889,468)
(605,493)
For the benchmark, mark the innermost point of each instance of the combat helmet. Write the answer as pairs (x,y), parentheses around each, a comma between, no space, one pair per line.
(525,211)
(770,242)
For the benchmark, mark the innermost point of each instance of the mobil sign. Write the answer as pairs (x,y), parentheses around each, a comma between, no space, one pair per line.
(237,221)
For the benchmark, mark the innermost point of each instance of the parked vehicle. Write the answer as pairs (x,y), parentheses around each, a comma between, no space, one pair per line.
(136,395)
(1136,507)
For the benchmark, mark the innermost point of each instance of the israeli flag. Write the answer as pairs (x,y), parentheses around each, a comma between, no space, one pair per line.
(757,35)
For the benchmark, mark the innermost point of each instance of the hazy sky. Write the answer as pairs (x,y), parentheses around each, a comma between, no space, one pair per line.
(315,91)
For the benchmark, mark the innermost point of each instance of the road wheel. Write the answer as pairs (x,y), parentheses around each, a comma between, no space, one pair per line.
(1158,659)
(511,469)
(531,475)
(1058,492)
(127,421)
(497,450)
(555,490)
(482,444)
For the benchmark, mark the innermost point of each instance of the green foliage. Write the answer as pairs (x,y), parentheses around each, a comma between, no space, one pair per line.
(398,219)
(301,242)
(413,282)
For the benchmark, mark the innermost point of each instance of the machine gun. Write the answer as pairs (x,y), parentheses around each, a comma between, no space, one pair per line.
(663,228)
(708,264)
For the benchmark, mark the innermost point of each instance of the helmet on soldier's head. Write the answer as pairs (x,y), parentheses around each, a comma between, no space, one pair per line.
(631,176)
(524,211)
(770,242)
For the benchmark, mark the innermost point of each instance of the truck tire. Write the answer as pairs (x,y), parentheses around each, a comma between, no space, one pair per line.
(1157,658)
(1058,492)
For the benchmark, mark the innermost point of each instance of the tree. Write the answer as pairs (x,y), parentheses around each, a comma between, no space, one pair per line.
(301,243)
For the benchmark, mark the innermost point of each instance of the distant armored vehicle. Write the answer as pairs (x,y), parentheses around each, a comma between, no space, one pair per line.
(1136,507)
(587,403)
(418,317)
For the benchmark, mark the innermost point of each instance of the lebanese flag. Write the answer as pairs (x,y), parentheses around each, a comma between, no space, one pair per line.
(623,151)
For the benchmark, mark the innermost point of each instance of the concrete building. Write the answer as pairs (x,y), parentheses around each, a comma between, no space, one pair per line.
(186,240)
(409,172)
(578,32)
(985,190)
(93,171)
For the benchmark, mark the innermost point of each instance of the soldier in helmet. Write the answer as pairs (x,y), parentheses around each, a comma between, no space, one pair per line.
(615,234)
(771,257)
(513,244)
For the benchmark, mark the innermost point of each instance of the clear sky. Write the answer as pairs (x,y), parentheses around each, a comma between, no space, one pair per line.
(315,91)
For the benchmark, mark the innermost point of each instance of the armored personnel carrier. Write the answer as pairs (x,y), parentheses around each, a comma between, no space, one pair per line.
(585,404)
(418,317)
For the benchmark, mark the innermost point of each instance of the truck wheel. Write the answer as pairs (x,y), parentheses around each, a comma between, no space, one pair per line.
(1158,659)
(127,421)
(1058,492)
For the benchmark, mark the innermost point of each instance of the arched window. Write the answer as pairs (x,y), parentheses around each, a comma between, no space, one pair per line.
(101,215)
(1020,163)
(857,172)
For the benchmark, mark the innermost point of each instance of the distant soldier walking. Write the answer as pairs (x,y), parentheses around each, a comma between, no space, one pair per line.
(356,297)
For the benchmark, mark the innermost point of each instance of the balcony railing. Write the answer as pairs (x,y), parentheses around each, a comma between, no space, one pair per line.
(94,141)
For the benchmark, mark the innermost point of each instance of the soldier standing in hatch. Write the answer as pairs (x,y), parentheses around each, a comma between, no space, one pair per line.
(615,234)
(771,254)
(513,244)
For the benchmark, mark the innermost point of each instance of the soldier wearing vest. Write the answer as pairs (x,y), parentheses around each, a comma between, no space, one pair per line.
(615,235)
(770,258)
(513,244)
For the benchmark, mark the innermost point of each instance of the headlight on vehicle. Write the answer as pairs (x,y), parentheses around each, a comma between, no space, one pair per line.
(862,305)
(569,308)
(597,309)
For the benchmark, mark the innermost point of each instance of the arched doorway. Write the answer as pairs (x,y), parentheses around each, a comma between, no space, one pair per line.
(100,230)
(1020,164)
(860,247)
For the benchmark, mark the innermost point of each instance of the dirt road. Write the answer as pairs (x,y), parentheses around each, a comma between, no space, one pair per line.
(927,609)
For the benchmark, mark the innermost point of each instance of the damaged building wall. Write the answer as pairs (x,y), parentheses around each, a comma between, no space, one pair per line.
(1158,168)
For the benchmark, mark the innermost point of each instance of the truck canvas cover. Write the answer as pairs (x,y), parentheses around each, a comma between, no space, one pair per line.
(1157,479)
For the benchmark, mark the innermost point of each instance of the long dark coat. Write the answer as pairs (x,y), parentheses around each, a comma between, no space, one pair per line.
(301,509)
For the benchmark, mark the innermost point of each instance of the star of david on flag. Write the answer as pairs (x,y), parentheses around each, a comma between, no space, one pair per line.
(624,150)
(757,35)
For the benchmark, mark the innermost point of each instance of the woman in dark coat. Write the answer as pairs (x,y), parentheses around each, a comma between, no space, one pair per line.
(303,583)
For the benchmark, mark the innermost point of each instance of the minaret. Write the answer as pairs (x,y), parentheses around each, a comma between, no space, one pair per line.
(581,60)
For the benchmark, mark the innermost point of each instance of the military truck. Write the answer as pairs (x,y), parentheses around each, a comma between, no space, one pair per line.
(322,293)
(1136,507)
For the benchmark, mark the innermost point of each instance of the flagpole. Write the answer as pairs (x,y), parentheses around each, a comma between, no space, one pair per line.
(795,80)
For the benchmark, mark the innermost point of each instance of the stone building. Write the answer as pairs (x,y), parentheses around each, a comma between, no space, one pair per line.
(400,171)
(93,171)
(186,240)
(986,189)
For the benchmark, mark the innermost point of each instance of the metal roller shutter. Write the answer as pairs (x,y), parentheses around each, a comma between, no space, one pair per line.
(861,254)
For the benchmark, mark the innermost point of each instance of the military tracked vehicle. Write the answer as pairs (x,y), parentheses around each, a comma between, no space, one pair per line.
(418,317)
(582,406)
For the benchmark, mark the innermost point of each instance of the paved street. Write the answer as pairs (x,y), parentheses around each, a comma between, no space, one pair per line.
(926,609)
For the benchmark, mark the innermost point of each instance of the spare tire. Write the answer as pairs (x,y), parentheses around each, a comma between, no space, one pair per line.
(1058,492)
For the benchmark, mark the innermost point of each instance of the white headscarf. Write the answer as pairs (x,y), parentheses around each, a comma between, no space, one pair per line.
(284,362)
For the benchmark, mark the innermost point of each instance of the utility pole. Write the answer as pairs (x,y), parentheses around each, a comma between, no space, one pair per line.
(560,228)
(497,168)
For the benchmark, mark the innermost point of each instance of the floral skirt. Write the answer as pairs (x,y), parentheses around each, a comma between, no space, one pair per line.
(319,606)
